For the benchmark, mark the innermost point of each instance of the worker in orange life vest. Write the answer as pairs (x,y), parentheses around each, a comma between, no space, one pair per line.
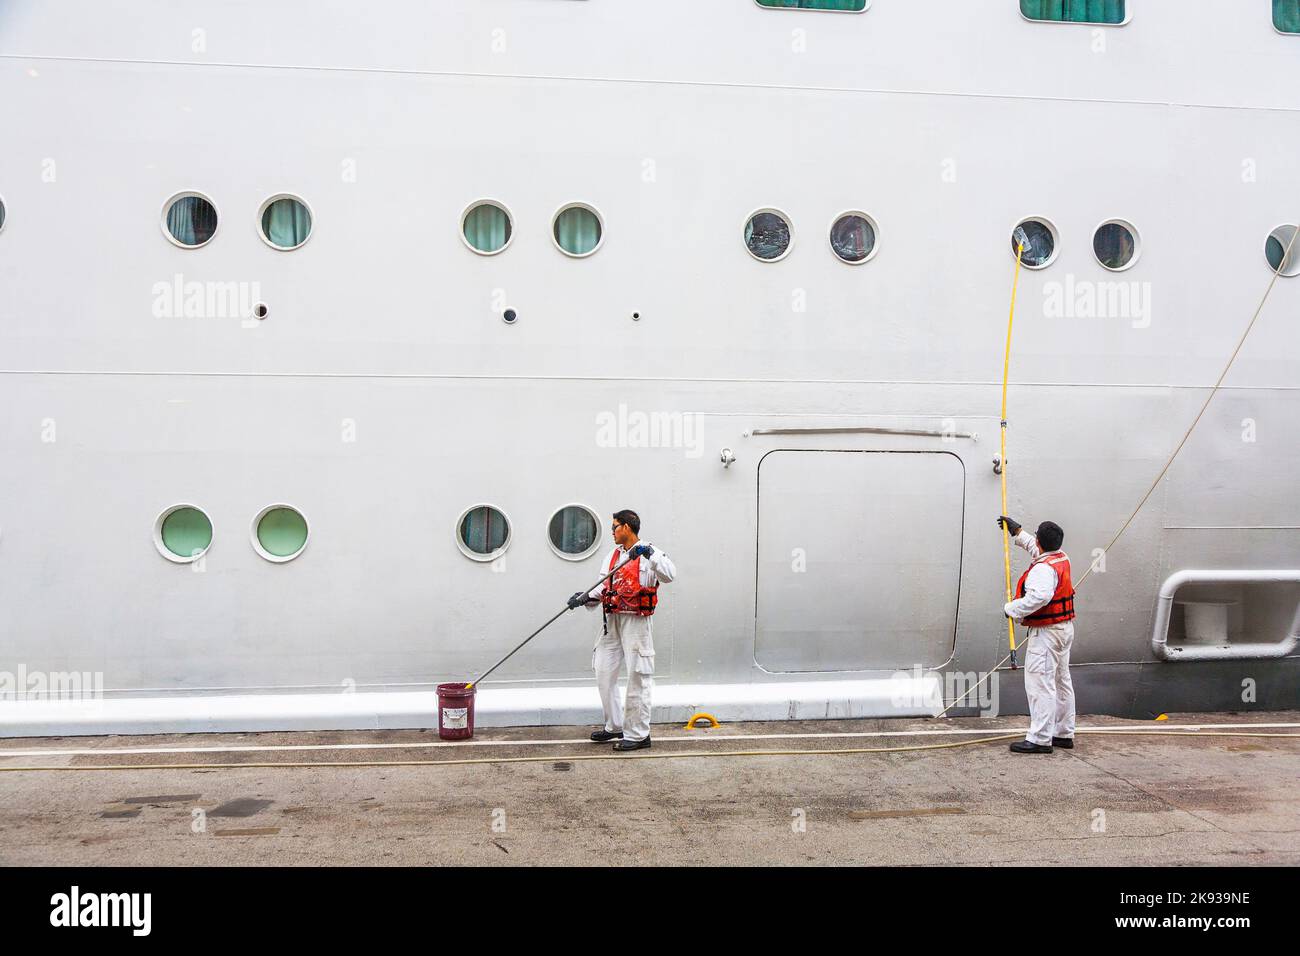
(1044,603)
(627,602)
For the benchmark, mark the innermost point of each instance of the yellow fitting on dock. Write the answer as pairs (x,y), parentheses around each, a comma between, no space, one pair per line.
(690,724)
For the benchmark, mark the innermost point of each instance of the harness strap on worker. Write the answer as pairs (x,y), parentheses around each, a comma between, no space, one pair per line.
(1059,608)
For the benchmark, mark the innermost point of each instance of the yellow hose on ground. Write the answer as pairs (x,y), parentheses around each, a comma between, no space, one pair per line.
(336,764)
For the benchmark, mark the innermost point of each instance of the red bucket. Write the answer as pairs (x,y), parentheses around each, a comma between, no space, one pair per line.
(455,711)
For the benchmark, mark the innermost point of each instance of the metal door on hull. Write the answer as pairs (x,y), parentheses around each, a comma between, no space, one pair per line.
(859,559)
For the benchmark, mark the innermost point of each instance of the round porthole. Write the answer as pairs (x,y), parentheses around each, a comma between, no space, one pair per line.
(577,230)
(2,214)
(1276,247)
(284,222)
(189,220)
(853,238)
(279,533)
(1040,242)
(574,532)
(483,532)
(182,533)
(768,235)
(1115,244)
(486,227)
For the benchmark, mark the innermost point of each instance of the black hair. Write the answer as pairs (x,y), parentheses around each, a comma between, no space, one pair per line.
(1050,536)
(629,518)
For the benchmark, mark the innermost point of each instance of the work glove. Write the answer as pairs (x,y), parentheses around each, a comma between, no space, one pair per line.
(578,600)
(643,551)
(1011,524)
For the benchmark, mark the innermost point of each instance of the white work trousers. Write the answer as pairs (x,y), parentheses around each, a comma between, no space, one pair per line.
(628,638)
(1047,683)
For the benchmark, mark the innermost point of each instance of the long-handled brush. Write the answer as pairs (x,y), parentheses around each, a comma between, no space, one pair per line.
(612,571)
(1022,240)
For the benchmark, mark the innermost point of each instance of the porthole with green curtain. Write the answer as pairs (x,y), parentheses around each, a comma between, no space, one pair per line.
(1286,16)
(182,533)
(189,220)
(279,533)
(284,222)
(1110,12)
(486,228)
(841,6)
(577,230)
(482,532)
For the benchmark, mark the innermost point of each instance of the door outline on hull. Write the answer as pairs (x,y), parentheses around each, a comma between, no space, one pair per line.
(961,548)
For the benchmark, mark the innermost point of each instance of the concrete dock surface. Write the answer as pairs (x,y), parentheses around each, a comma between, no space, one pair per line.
(1191,797)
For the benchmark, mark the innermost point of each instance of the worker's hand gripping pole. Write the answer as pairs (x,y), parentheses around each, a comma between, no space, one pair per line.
(612,571)
(1006,533)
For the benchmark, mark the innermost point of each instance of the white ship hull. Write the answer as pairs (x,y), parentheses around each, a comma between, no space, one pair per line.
(383,395)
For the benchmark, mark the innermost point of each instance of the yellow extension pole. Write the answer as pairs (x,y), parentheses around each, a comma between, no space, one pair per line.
(1006,535)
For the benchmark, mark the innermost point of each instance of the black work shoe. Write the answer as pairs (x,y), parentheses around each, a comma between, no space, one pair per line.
(1025,747)
(1066,743)
(601,736)
(632,744)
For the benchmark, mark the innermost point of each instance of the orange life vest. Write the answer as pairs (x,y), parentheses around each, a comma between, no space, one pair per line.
(623,592)
(1061,607)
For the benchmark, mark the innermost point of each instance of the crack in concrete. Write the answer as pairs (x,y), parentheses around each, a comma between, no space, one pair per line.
(1167,802)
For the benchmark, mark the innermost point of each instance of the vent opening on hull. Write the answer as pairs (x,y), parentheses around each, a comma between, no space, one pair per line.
(1223,615)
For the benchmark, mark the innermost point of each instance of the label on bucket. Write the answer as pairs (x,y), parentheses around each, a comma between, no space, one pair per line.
(455,718)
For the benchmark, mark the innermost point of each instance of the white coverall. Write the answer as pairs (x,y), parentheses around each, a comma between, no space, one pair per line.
(627,636)
(1047,662)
